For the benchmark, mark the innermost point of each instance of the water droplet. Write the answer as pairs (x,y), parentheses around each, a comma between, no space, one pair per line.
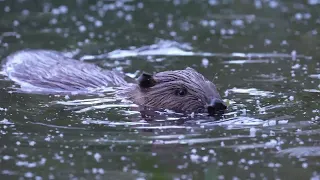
(150,25)
(291,98)
(32,143)
(98,23)
(82,28)
(28,174)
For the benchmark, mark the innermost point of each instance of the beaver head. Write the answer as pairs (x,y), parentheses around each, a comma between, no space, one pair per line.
(180,90)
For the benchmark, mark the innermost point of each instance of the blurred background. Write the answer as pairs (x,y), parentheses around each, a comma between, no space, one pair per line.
(263,55)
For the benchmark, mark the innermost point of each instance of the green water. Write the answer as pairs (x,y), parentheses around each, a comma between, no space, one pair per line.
(263,56)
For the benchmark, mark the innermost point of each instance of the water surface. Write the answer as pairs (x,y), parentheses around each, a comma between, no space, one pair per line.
(262,55)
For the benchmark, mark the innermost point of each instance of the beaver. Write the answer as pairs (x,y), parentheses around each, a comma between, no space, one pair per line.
(49,71)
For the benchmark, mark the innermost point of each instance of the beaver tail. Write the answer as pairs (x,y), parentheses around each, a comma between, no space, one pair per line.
(52,72)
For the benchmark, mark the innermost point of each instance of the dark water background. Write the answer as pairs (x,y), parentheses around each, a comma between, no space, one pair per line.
(262,54)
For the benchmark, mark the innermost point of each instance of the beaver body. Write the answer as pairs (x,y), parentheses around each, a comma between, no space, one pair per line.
(47,71)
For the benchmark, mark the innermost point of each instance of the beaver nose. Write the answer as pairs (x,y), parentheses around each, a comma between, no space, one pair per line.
(216,106)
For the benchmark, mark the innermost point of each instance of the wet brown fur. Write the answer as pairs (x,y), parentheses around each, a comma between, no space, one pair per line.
(52,72)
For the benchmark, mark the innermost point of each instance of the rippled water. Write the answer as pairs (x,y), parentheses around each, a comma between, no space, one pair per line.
(263,56)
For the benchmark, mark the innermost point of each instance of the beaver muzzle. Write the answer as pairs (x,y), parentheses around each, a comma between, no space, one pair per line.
(216,107)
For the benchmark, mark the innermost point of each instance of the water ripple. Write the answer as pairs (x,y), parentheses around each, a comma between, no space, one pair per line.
(315,76)
(194,140)
(172,48)
(251,91)
(301,151)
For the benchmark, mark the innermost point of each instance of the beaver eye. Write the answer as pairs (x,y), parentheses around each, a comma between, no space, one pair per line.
(181,92)
(200,110)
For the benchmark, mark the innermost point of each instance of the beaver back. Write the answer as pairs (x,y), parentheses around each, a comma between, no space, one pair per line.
(51,71)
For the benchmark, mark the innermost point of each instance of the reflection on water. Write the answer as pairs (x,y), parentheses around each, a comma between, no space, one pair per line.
(262,55)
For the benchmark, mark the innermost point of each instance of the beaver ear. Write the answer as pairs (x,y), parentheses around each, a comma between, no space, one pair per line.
(146,80)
